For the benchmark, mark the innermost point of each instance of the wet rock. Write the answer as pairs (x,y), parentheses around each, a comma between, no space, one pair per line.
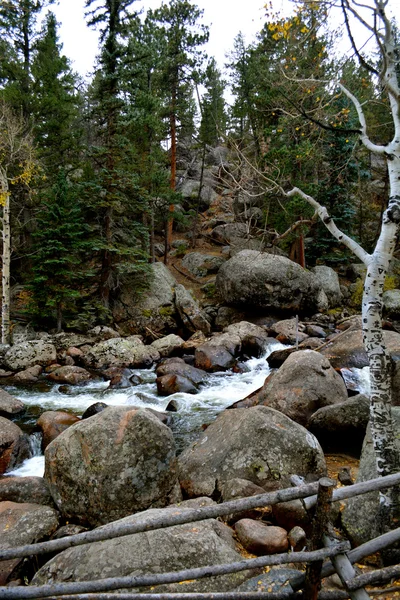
(9,405)
(168,345)
(94,409)
(261,539)
(253,339)
(29,375)
(118,377)
(69,374)
(52,423)
(289,331)
(172,384)
(14,445)
(25,489)
(192,316)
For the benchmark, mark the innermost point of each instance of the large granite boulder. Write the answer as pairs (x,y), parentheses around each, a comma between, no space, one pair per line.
(225,234)
(259,280)
(303,384)
(118,462)
(154,309)
(259,444)
(341,427)
(348,349)
(360,514)
(30,353)
(161,551)
(20,524)
(201,265)
(121,352)
(329,281)
(14,445)
(193,318)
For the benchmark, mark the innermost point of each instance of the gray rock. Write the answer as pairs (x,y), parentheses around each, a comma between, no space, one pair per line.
(348,350)
(14,445)
(22,524)
(329,281)
(190,312)
(303,384)
(25,489)
(391,303)
(177,366)
(219,156)
(164,550)
(360,515)
(254,339)
(289,331)
(190,192)
(121,352)
(9,405)
(218,353)
(27,354)
(229,232)
(276,580)
(259,280)
(341,427)
(167,345)
(258,444)
(201,265)
(118,462)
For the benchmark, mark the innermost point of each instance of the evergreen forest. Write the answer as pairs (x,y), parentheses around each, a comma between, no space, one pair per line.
(90,178)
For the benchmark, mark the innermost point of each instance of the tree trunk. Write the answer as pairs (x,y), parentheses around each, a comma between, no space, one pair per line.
(5,275)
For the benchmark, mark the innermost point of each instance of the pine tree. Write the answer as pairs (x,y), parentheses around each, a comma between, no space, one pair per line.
(213,115)
(60,266)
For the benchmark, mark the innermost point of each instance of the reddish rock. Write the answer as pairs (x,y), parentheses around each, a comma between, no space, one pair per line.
(52,423)
(69,374)
(172,383)
(74,352)
(261,539)
(14,445)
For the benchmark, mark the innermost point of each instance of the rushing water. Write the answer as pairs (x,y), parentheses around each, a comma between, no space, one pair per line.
(193,410)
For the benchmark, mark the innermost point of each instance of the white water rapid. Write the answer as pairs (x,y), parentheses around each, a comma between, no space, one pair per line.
(221,390)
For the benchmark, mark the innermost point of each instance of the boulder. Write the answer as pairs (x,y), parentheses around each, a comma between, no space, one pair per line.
(161,551)
(190,193)
(51,423)
(289,331)
(14,445)
(168,345)
(225,234)
(20,524)
(177,366)
(121,352)
(360,517)
(341,427)
(201,265)
(154,309)
(348,349)
(258,280)
(70,374)
(391,303)
(30,353)
(275,580)
(9,405)
(218,353)
(118,462)
(29,375)
(25,489)
(329,281)
(303,384)
(173,383)
(65,340)
(260,538)
(259,444)
(94,409)
(192,316)
(253,338)
(119,377)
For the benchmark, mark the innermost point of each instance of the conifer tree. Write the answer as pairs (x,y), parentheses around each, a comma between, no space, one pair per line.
(213,115)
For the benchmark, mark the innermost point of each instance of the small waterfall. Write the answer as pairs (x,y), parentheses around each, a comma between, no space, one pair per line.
(35,443)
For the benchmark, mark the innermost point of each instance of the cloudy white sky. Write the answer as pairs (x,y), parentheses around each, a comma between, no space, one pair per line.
(225,18)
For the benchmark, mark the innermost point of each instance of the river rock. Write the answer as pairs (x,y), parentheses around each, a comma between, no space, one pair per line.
(14,445)
(94,409)
(303,384)
(177,366)
(22,524)
(172,384)
(253,338)
(121,352)
(341,427)
(52,423)
(161,551)
(258,280)
(118,462)
(69,374)
(261,539)
(192,316)
(25,489)
(289,331)
(218,353)
(329,281)
(30,353)
(170,344)
(360,515)
(201,265)
(348,349)
(259,444)
(9,405)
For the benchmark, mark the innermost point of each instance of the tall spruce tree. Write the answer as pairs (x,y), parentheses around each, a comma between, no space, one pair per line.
(213,115)
(60,265)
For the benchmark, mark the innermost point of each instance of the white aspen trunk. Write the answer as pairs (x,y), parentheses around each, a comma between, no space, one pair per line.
(6,255)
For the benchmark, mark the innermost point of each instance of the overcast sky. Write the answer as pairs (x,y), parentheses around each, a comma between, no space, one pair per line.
(225,18)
